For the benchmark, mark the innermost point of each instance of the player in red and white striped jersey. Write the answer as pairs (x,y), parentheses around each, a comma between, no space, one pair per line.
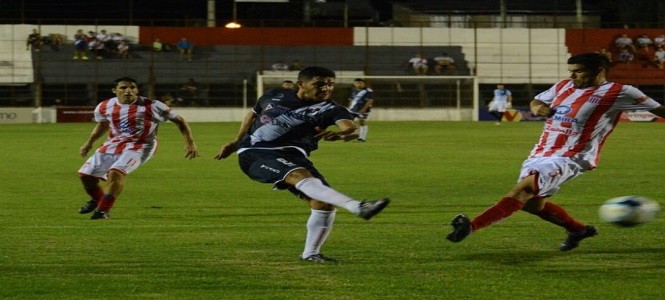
(132,122)
(582,111)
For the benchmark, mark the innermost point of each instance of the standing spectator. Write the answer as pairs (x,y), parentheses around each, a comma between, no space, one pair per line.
(418,64)
(80,45)
(581,113)
(502,100)
(275,140)
(624,42)
(97,48)
(133,122)
(34,40)
(123,50)
(279,66)
(644,41)
(445,65)
(185,48)
(659,57)
(189,92)
(157,45)
(105,39)
(361,100)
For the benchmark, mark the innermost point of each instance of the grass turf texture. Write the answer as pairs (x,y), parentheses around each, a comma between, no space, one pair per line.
(202,229)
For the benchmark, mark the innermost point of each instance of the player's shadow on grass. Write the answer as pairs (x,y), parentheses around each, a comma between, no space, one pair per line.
(529,257)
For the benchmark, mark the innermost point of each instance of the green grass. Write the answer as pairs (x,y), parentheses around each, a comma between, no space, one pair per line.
(201,229)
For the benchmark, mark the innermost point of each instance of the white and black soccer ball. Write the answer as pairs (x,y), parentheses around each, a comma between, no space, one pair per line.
(629,211)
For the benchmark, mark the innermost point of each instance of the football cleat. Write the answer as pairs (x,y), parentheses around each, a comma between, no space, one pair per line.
(320,259)
(461,228)
(368,209)
(88,207)
(99,215)
(574,238)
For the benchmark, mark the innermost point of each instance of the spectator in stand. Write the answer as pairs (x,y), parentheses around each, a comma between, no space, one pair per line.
(189,93)
(445,65)
(123,49)
(296,65)
(606,53)
(105,38)
(185,48)
(80,45)
(624,42)
(97,48)
(644,41)
(418,64)
(626,56)
(157,45)
(279,66)
(659,57)
(117,38)
(288,85)
(34,40)
(659,41)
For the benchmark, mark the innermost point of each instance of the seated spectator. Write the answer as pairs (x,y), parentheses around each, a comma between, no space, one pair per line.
(123,49)
(288,84)
(624,42)
(644,42)
(157,45)
(34,40)
(418,64)
(279,66)
(445,65)
(185,48)
(80,45)
(189,92)
(659,57)
(626,56)
(659,41)
(606,53)
(296,65)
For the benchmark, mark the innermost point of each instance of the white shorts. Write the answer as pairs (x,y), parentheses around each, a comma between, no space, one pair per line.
(99,164)
(499,106)
(551,173)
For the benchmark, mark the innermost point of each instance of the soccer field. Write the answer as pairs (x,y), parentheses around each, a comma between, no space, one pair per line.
(201,229)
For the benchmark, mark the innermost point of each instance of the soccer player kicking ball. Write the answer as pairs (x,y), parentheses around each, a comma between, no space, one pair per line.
(582,111)
(133,121)
(275,140)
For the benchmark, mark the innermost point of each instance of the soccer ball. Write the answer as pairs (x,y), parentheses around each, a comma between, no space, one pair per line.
(629,211)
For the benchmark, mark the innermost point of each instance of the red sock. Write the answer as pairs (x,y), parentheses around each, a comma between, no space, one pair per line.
(497,212)
(95,193)
(106,203)
(556,214)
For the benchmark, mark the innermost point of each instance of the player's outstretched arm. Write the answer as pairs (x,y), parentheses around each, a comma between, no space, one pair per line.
(97,132)
(191,150)
(230,147)
(345,133)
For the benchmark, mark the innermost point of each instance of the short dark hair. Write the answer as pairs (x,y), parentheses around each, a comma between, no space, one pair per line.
(287,81)
(121,79)
(311,72)
(359,79)
(591,60)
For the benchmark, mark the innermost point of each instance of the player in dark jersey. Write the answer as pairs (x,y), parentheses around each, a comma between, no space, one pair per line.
(274,143)
(361,100)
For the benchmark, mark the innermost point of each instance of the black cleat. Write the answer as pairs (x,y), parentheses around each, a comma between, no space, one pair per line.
(88,207)
(574,238)
(319,259)
(99,215)
(368,209)
(461,228)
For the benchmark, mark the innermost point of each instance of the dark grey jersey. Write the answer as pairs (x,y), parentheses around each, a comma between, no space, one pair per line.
(285,121)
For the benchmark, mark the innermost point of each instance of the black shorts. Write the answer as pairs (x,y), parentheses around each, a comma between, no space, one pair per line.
(272,166)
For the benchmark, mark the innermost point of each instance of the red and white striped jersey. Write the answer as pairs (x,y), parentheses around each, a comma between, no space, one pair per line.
(584,118)
(132,126)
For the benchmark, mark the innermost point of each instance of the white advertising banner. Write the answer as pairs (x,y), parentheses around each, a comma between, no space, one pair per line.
(16,115)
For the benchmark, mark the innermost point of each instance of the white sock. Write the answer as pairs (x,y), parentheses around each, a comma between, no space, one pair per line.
(314,188)
(319,226)
(363,132)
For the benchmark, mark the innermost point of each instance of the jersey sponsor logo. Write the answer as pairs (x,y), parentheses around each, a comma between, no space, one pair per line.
(270,169)
(594,99)
(286,162)
(562,109)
